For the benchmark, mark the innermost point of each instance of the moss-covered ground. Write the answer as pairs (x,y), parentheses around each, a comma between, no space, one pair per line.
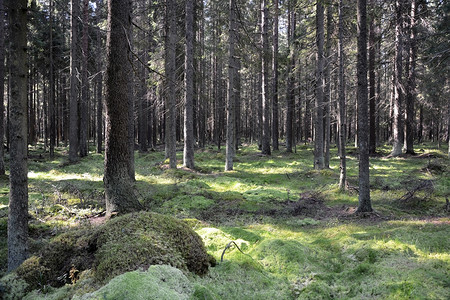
(297,233)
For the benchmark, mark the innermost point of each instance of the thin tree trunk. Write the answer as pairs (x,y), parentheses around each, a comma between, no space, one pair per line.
(372,97)
(231,101)
(362,97)
(290,89)
(341,104)
(84,120)
(2,86)
(51,100)
(188,153)
(99,85)
(397,126)
(327,92)
(318,137)
(275,134)
(119,190)
(170,67)
(18,179)
(265,147)
(411,84)
(73,128)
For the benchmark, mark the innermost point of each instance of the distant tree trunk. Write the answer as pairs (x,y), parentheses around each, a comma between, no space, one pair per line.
(2,87)
(18,180)
(275,120)
(372,97)
(363,126)
(119,191)
(290,89)
(188,153)
(265,147)
(231,101)
(327,93)
(341,104)
(51,100)
(170,68)
(73,128)
(411,84)
(84,121)
(130,89)
(397,126)
(318,137)
(99,85)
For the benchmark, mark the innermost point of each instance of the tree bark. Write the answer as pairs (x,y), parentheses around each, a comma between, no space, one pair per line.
(411,81)
(327,90)
(372,97)
(99,85)
(188,152)
(290,89)
(73,119)
(265,147)
(397,126)
(84,121)
(119,191)
(18,180)
(341,104)
(51,100)
(365,204)
(318,136)
(2,86)
(170,65)
(275,71)
(231,101)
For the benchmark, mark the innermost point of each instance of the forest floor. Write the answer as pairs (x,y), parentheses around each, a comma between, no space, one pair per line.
(297,232)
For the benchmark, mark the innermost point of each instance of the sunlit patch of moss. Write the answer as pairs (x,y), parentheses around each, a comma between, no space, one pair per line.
(159,282)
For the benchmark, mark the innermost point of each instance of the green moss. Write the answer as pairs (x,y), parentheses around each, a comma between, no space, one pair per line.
(123,244)
(158,282)
(141,239)
(12,287)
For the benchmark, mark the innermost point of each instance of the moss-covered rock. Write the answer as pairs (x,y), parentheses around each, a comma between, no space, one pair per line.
(126,243)
(158,282)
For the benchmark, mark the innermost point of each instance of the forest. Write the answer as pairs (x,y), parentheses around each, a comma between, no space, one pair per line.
(211,149)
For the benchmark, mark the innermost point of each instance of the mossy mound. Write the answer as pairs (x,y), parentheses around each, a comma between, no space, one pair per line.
(158,282)
(142,239)
(126,243)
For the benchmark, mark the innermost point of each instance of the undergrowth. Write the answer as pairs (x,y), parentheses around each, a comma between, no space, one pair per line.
(295,231)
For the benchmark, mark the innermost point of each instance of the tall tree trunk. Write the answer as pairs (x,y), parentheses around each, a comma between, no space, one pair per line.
(341,104)
(18,180)
(411,81)
(84,120)
(119,191)
(51,100)
(265,147)
(99,85)
(275,79)
(231,101)
(73,129)
(318,137)
(372,97)
(2,87)
(362,97)
(327,92)
(188,153)
(397,126)
(170,61)
(130,89)
(290,89)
